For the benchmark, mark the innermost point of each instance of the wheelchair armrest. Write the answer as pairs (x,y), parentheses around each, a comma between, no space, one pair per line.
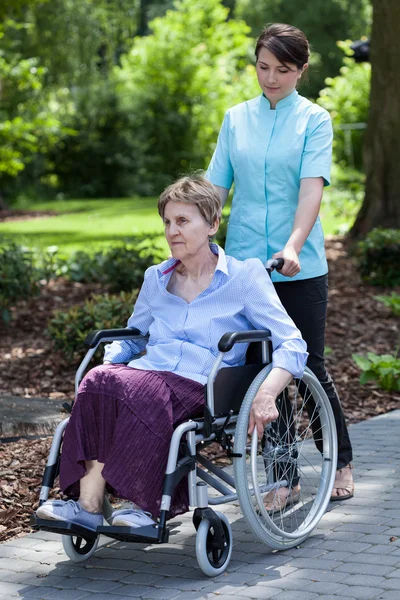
(109,335)
(228,340)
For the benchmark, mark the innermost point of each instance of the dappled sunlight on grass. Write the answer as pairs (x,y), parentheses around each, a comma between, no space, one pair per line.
(86,224)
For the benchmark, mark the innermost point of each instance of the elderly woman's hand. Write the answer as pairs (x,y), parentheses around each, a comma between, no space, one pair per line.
(263,411)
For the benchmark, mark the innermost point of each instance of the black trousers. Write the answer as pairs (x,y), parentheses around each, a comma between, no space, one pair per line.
(306,303)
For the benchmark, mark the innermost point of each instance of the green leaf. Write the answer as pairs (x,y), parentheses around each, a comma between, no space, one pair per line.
(361,361)
(374,358)
(367,376)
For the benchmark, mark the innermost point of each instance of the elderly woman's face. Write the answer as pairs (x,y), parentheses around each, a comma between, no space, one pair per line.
(186,231)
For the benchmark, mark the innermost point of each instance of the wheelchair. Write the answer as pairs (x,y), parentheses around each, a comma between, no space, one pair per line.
(300,447)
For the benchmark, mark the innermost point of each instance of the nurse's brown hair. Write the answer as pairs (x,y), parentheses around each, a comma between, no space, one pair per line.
(287,43)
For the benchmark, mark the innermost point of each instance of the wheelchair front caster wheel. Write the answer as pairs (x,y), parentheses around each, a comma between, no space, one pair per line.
(212,559)
(79,549)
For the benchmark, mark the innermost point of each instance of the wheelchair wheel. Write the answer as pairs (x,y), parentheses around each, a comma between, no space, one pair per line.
(212,560)
(287,456)
(79,549)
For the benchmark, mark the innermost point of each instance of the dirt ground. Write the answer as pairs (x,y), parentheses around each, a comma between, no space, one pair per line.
(357,323)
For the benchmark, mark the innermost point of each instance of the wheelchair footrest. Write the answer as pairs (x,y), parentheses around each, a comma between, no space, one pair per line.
(151,534)
(63,528)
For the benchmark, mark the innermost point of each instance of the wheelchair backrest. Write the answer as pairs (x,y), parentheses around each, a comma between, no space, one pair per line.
(232,383)
(230,387)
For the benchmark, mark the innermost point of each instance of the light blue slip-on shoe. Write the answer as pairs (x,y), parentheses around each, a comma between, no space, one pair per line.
(131,517)
(70,512)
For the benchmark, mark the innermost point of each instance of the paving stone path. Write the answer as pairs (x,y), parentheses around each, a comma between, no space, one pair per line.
(354,553)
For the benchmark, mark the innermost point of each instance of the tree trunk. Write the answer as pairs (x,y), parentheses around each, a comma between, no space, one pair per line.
(143,18)
(231,4)
(3,205)
(381,206)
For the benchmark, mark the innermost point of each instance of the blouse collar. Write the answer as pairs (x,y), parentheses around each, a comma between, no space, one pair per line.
(167,267)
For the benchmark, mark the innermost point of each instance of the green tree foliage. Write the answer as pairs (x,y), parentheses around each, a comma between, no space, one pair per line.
(346,98)
(176,83)
(29,125)
(84,37)
(134,121)
(324,22)
(54,61)
(75,40)
(16,9)
(99,157)
(79,40)
(89,108)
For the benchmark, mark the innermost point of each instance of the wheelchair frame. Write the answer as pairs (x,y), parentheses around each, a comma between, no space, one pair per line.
(214,536)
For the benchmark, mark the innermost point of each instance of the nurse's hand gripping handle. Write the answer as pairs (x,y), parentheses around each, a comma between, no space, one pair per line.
(274,263)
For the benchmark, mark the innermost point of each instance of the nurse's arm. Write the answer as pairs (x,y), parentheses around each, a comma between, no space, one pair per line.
(223,194)
(310,196)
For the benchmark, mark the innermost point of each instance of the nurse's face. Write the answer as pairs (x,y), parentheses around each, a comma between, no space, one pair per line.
(276,80)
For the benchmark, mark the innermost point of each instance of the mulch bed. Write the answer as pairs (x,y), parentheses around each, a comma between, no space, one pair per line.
(16,214)
(357,323)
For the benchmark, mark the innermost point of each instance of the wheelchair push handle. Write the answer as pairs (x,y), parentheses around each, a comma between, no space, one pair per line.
(274,263)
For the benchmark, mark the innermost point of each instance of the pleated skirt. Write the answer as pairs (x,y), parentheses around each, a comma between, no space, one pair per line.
(125,418)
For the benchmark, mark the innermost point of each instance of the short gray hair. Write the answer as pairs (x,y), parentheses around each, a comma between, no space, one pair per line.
(193,189)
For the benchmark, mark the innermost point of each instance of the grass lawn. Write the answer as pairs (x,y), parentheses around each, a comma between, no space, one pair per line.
(88,224)
(85,224)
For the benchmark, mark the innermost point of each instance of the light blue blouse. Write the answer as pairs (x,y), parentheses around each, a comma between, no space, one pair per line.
(184,336)
(265,153)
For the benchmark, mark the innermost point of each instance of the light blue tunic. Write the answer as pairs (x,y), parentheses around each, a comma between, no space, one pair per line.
(265,153)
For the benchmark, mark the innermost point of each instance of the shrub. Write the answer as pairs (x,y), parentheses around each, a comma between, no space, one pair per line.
(392,302)
(379,257)
(121,267)
(18,276)
(68,330)
(385,369)
(49,263)
(346,98)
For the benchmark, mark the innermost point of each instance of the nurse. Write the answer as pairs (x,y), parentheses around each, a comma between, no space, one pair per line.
(277,149)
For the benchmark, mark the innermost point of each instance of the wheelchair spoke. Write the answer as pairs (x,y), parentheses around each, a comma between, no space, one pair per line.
(285,472)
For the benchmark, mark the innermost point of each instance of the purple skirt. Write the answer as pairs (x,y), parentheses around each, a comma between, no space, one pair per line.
(125,418)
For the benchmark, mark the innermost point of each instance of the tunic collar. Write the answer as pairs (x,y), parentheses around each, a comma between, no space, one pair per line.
(284,103)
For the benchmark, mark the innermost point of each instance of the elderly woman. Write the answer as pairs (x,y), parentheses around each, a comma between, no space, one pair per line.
(124,416)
